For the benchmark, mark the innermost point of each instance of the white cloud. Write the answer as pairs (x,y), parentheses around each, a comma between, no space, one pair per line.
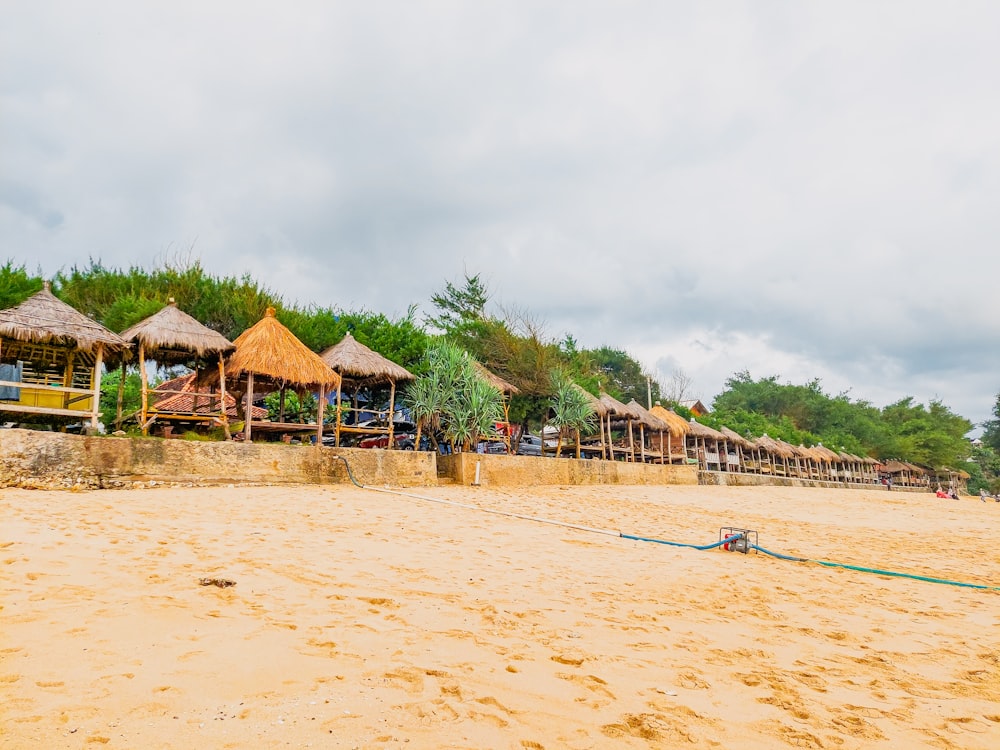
(806,190)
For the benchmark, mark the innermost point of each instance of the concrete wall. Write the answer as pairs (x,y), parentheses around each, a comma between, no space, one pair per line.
(737,479)
(52,460)
(513,471)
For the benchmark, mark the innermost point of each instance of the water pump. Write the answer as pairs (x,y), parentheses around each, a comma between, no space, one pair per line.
(746,539)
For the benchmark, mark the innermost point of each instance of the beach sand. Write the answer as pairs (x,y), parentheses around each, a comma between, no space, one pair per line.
(367,619)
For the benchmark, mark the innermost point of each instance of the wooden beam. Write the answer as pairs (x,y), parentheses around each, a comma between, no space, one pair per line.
(98,367)
(319,416)
(222,398)
(249,415)
(144,411)
(78,413)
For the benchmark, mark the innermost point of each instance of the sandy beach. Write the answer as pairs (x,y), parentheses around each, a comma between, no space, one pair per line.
(371,619)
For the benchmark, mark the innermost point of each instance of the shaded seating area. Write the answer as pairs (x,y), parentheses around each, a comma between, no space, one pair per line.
(363,370)
(705,445)
(675,451)
(267,357)
(619,425)
(182,396)
(171,337)
(51,361)
(651,431)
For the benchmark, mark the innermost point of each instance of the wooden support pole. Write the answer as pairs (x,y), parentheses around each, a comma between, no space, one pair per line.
(96,406)
(145,388)
(336,429)
(249,408)
(222,398)
(319,415)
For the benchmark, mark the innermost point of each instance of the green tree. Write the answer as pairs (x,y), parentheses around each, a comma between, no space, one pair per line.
(571,409)
(16,285)
(451,395)
(623,377)
(131,396)
(991,428)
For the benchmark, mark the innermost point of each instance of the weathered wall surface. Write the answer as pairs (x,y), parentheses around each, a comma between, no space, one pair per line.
(737,479)
(513,471)
(52,460)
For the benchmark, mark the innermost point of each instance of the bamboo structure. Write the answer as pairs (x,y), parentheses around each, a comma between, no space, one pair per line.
(359,367)
(678,428)
(172,337)
(269,356)
(56,354)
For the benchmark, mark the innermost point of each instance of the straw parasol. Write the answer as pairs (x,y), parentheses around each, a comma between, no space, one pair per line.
(678,428)
(616,408)
(702,434)
(272,352)
(650,420)
(171,336)
(43,319)
(740,443)
(362,367)
(507,389)
(776,449)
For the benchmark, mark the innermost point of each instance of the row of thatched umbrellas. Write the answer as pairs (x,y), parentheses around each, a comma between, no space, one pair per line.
(267,356)
(661,435)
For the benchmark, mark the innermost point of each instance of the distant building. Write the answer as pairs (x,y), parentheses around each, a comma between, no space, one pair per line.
(695,407)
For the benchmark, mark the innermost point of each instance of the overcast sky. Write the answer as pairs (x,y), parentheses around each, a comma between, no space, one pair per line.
(800,189)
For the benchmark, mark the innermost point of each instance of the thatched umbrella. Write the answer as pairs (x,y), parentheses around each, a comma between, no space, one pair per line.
(678,428)
(360,367)
(701,435)
(775,449)
(741,444)
(44,319)
(617,409)
(646,419)
(173,337)
(272,352)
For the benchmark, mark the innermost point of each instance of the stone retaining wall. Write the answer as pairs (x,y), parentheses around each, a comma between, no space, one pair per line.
(53,460)
(514,471)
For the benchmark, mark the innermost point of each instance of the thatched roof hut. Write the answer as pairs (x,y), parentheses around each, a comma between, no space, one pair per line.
(736,439)
(43,318)
(620,413)
(171,336)
(270,351)
(43,340)
(706,444)
(615,407)
(361,367)
(595,403)
(649,421)
(354,361)
(777,448)
(679,426)
(697,429)
(507,389)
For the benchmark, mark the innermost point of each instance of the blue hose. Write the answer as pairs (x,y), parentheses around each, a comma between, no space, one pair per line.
(713,545)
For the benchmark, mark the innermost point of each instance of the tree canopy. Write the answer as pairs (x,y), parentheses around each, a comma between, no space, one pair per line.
(514,345)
